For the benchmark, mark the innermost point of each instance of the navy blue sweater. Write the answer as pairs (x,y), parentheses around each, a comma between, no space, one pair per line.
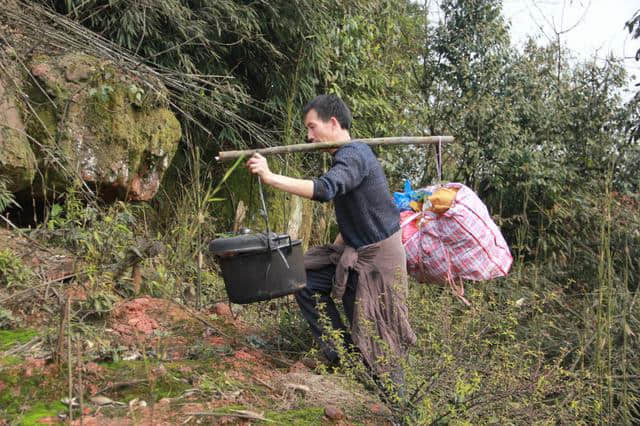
(365,210)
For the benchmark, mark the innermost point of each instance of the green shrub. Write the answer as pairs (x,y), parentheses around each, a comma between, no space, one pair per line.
(6,197)
(13,272)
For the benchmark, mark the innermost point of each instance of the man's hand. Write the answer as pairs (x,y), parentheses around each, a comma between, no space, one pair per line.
(258,165)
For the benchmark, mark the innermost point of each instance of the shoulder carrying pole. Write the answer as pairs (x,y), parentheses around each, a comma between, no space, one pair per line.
(315,146)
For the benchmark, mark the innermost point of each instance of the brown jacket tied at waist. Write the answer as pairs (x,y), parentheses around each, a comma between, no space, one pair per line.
(380,311)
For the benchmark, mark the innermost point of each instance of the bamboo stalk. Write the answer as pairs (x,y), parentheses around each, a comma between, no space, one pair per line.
(69,355)
(304,147)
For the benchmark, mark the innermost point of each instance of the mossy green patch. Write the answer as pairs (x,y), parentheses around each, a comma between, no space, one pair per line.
(39,392)
(41,410)
(17,160)
(299,417)
(245,187)
(95,117)
(42,126)
(9,338)
(9,361)
(130,127)
(150,387)
(172,382)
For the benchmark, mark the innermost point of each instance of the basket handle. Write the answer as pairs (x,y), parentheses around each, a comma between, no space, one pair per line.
(264,214)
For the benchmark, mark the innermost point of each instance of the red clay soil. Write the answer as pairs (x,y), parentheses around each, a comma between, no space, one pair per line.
(137,319)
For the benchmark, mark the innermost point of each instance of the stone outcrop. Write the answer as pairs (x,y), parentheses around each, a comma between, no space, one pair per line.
(86,120)
(17,161)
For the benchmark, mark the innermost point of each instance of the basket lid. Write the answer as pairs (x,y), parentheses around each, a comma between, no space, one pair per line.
(239,244)
(249,243)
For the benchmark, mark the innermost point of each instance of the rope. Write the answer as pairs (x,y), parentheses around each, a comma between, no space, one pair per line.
(439,159)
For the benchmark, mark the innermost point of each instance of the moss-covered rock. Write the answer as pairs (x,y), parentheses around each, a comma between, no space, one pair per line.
(17,160)
(100,124)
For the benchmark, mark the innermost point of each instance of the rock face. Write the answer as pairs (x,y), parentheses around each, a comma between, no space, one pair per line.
(17,161)
(89,121)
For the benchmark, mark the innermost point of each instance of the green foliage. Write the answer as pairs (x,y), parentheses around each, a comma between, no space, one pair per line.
(27,399)
(473,365)
(564,324)
(286,330)
(528,124)
(101,237)
(161,283)
(40,410)
(303,416)
(536,130)
(600,282)
(9,338)
(7,319)
(633,25)
(6,197)
(192,219)
(99,303)
(12,271)
(372,70)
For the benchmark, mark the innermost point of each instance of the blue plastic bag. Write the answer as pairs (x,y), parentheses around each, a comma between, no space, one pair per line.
(402,199)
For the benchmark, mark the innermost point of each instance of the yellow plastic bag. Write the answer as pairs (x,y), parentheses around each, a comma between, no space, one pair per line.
(442,199)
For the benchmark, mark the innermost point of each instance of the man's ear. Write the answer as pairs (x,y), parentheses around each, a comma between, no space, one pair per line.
(335,123)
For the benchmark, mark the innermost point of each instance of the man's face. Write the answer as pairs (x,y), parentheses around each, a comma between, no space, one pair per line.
(319,130)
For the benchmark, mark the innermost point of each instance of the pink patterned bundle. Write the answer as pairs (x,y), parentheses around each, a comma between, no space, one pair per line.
(461,243)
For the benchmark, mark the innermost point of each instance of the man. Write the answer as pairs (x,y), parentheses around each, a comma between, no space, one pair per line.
(366,266)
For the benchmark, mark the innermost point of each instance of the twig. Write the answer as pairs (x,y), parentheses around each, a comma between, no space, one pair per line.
(21,232)
(25,346)
(40,286)
(234,413)
(262,382)
(202,319)
(35,80)
(282,361)
(80,382)
(63,318)
(69,355)
(66,34)
(120,385)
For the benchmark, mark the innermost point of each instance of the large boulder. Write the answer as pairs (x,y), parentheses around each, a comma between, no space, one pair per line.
(17,161)
(97,123)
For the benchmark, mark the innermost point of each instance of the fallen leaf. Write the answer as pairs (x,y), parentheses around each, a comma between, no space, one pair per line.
(251,415)
(103,400)
(296,387)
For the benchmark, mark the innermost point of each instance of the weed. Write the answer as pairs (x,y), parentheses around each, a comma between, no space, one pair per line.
(7,319)
(40,410)
(6,197)
(13,272)
(9,338)
(299,417)
(28,397)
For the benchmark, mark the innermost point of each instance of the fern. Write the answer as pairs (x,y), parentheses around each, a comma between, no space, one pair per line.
(6,196)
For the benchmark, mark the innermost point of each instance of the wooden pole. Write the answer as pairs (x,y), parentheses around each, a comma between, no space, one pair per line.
(303,147)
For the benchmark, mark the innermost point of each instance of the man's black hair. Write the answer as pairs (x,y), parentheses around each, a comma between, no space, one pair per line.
(328,106)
